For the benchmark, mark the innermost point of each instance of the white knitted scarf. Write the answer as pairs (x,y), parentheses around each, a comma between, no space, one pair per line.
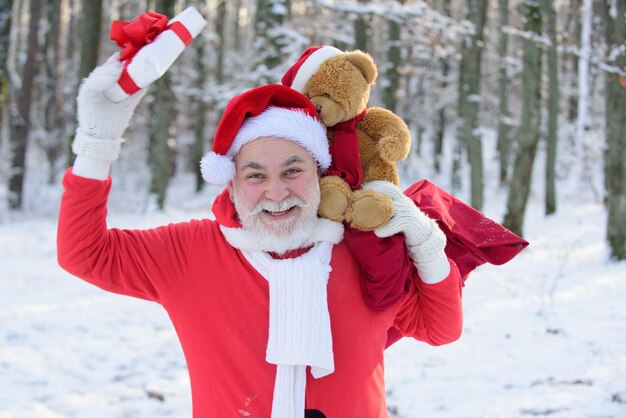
(299,321)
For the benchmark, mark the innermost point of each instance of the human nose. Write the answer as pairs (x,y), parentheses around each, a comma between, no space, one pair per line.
(276,190)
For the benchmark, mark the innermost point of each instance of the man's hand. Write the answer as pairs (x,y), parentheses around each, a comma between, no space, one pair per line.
(101,122)
(424,239)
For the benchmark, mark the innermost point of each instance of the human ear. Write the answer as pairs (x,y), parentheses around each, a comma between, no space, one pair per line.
(230,188)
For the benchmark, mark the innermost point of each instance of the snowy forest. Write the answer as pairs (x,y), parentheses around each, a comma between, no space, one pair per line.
(538,74)
(516,107)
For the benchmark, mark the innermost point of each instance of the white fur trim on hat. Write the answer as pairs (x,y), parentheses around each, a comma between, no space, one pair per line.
(310,66)
(216,168)
(292,124)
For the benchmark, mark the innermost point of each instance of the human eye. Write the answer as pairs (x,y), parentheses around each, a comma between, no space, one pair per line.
(255,177)
(293,171)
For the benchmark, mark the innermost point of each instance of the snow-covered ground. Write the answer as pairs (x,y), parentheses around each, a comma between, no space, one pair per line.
(545,335)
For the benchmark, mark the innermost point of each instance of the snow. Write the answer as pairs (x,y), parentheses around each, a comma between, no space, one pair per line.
(543,334)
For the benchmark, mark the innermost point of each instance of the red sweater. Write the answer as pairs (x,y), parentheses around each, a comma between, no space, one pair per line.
(219,307)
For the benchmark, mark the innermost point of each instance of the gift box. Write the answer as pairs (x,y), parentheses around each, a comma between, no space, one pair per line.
(151,43)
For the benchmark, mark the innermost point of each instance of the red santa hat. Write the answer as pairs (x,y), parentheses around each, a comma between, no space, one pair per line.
(271,110)
(299,74)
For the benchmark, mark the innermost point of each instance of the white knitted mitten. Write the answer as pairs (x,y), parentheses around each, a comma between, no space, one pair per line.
(102,122)
(424,239)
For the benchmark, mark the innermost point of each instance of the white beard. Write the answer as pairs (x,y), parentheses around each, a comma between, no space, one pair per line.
(323,230)
(306,230)
(262,238)
(279,236)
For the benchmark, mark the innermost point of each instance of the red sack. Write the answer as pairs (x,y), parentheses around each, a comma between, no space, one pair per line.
(473,239)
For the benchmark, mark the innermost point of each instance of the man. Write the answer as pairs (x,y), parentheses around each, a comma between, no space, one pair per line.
(265,299)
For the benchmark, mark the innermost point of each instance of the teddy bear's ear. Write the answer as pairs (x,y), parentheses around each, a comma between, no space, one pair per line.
(364,63)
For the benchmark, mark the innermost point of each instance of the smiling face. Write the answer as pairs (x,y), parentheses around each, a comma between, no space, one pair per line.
(275,189)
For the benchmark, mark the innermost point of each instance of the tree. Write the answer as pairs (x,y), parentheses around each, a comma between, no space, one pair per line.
(469,97)
(270,16)
(553,107)
(528,136)
(392,77)
(583,71)
(162,116)
(20,116)
(361,29)
(6,7)
(237,29)
(52,142)
(440,124)
(614,13)
(201,117)
(220,26)
(89,26)
(573,29)
(504,116)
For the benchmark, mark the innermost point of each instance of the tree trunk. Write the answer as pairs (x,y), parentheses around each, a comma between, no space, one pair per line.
(6,7)
(89,26)
(615,155)
(583,73)
(200,117)
(20,117)
(553,107)
(361,29)
(469,98)
(504,116)
(420,123)
(531,116)
(220,25)
(270,15)
(392,77)
(238,42)
(70,60)
(162,116)
(53,144)
(440,124)
(574,19)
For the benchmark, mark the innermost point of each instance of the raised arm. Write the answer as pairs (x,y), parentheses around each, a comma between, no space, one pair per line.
(137,263)
(140,263)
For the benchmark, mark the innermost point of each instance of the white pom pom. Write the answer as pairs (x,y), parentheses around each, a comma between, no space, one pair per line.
(217,169)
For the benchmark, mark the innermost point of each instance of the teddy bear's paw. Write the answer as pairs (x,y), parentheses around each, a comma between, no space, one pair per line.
(369,210)
(334,198)
(333,205)
(394,147)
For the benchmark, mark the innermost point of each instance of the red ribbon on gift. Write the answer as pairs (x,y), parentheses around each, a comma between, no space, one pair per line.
(133,35)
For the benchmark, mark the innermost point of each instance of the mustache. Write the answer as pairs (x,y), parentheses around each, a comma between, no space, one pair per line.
(283,205)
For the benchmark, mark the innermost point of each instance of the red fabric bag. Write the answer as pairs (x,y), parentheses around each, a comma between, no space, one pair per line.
(473,239)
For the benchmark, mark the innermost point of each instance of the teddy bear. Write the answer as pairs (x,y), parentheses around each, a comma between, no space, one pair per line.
(365,143)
